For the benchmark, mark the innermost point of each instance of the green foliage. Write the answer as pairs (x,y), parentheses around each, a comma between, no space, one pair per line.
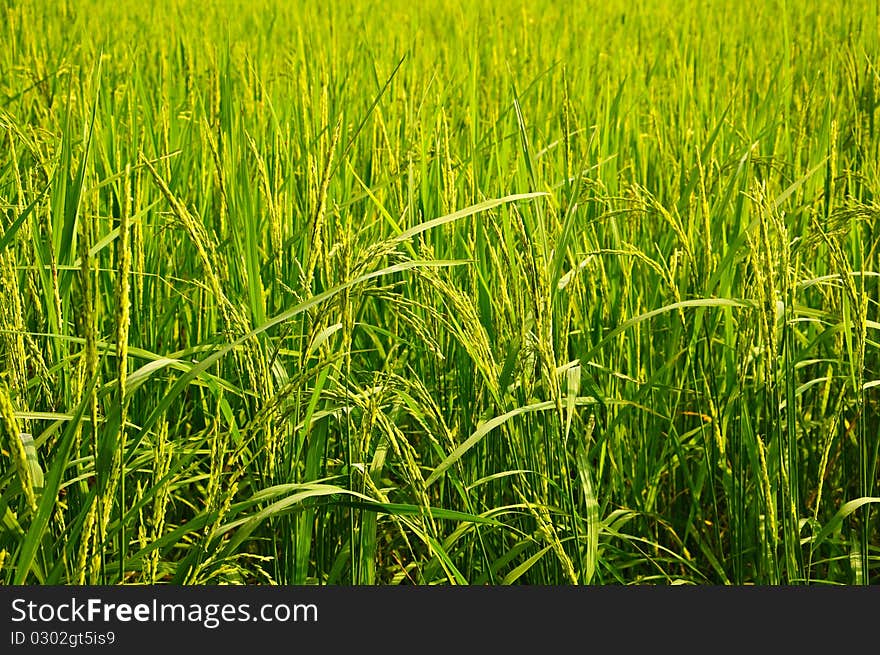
(439,292)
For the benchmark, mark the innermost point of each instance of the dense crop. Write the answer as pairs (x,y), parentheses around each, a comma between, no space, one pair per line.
(439,292)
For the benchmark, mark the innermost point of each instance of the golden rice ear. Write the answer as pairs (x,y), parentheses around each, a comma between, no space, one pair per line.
(20,449)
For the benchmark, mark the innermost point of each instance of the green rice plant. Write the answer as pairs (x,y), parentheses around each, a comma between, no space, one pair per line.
(439,293)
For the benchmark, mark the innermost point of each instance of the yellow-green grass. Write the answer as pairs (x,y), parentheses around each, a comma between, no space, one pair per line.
(439,292)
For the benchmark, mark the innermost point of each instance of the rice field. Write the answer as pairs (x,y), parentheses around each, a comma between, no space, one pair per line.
(439,292)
